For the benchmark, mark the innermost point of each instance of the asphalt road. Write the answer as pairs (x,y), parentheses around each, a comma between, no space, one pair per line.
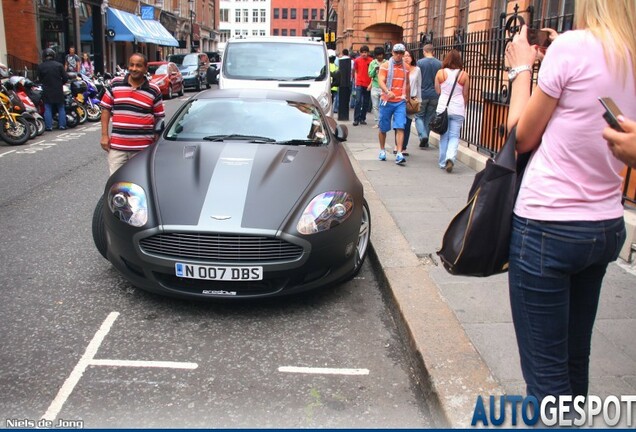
(82,346)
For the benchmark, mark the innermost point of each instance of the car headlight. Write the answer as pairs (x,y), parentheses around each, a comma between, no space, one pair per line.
(127,201)
(325,211)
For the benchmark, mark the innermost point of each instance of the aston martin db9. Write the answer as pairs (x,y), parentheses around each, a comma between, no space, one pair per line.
(247,193)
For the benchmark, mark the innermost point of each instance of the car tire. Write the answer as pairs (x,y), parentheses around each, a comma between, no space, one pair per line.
(364,240)
(182,91)
(99,231)
(198,87)
(170,96)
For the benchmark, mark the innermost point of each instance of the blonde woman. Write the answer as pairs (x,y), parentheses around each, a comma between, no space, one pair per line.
(568,218)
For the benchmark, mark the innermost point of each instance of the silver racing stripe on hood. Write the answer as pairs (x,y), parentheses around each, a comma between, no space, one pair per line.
(225,201)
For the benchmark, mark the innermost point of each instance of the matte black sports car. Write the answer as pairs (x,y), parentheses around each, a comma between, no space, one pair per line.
(248,193)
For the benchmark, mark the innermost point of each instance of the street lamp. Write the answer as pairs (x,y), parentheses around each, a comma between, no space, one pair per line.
(192,14)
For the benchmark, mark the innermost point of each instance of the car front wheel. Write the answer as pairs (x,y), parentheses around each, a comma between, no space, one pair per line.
(364,239)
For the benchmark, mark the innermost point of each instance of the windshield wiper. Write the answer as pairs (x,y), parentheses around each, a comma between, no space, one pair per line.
(249,138)
(300,142)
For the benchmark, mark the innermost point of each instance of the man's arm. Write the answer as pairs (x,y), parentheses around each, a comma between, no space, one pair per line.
(105,140)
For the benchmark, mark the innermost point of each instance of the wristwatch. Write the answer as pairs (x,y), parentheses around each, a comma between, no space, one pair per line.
(513,72)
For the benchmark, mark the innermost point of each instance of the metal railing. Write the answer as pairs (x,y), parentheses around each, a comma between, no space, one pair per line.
(22,67)
(489,95)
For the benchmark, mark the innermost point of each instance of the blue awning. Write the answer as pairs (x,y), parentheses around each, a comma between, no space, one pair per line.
(127,27)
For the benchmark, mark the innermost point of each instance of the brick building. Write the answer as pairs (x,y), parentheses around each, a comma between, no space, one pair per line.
(293,17)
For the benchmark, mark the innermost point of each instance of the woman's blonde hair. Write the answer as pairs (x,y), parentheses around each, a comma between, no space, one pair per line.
(614,23)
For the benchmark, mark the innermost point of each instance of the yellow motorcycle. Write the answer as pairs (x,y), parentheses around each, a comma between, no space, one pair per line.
(14,129)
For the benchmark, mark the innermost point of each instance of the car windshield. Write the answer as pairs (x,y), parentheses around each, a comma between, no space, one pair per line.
(191,60)
(253,120)
(176,58)
(274,61)
(158,69)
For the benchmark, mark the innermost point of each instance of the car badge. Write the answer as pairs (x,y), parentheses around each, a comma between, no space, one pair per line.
(220,217)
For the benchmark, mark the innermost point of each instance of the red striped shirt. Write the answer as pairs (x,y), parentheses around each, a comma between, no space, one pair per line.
(135,111)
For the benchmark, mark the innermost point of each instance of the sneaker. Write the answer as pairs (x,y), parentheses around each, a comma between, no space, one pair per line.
(48,129)
(424,142)
(405,153)
(449,166)
(399,159)
(355,123)
(382,155)
(363,122)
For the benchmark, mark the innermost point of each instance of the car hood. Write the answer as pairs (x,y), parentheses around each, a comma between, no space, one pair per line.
(226,186)
(157,77)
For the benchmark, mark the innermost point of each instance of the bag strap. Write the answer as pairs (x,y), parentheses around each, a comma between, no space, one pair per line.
(453,89)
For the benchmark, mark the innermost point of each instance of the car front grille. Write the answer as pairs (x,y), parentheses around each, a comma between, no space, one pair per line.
(221,247)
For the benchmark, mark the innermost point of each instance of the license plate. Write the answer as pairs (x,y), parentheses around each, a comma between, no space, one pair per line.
(193,271)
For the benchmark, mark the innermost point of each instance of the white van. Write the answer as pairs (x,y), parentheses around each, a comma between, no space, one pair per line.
(278,62)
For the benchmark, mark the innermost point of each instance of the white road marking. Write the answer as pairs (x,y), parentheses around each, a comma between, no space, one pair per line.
(6,153)
(144,363)
(80,368)
(328,371)
(88,359)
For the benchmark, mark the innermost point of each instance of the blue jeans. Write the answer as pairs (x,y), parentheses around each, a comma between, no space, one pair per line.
(422,118)
(555,276)
(48,115)
(362,104)
(449,142)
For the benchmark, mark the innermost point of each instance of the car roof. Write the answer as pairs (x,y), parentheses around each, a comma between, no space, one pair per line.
(250,93)
(276,39)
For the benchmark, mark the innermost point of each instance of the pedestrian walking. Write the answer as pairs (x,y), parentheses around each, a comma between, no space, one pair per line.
(335,78)
(86,66)
(444,83)
(395,87)
(52,76)
(376,91)
(429,66)
(415,84)
(136,107)
(568,218)
(363,86)
(344,89)
(72,61)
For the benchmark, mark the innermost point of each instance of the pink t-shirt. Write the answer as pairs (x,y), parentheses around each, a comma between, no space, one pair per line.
(573,176)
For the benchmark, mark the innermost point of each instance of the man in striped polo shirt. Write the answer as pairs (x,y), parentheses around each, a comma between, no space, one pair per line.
(136,107)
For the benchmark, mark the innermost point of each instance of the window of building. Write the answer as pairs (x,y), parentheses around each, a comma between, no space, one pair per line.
(314,14)
(285,13)
(322,14)
(437,9)
(463,14)
(254,32)
(237,32)
(254,15)
(246,15)
(276,13)
(237,15)
(275,32)
(224,15)
(263,15)
(284,32)
(556,14)
(292,32)
(292,13)
(261,32)
(224,35)
(306,14)
(498,7)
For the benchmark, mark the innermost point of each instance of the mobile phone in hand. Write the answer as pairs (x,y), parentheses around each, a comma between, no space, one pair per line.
(611,113)
(539,37)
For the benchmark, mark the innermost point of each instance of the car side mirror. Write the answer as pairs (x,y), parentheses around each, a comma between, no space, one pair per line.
(341,133)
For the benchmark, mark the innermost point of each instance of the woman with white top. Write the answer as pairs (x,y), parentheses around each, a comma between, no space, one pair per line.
(444,80)
(415,79)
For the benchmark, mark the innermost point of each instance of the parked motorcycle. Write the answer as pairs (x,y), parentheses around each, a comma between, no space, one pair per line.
(18,84)
(89,96)
(14,128)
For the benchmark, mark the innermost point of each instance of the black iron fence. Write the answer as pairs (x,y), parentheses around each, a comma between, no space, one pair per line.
(489,94)
(22,67)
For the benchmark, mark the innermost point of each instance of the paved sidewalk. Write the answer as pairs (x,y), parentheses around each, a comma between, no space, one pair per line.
(460,328)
